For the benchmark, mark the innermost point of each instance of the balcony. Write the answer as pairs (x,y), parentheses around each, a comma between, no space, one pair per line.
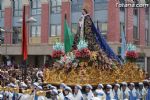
(15,49)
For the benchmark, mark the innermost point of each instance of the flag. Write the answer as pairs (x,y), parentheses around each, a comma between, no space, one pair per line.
(123,44)
(24,37)
(103,44)
(68,37)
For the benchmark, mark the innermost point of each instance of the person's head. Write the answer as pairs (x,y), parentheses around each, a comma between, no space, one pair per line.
(146,83)
(116,86)
(124,86)
(131,86)
(84,11)
(53,87)
(35,85)
(141,85)
(100,86)
(88,88)
(49,86)
(39,88)
(108,87)
(23,85)
(62,86)
(67,90)
(77,88)
(54,92)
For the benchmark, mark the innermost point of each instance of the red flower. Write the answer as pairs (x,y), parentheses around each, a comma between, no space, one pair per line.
(84,53)
(132,54)
(57,54)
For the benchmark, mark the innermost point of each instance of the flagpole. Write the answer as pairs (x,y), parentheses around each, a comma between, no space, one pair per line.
(65,16)
(24,46)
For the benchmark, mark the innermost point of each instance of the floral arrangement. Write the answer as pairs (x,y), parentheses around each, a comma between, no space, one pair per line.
(57,54)
(82,52)
(131,54)
(131,47)
(58,50)
(67,59)
(82,44)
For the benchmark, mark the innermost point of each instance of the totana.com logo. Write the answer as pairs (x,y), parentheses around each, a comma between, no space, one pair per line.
(133,3)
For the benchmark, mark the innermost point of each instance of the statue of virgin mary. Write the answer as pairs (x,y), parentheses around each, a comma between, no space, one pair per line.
(87,32)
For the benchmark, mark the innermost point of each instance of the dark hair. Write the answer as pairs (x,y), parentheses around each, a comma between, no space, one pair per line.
(85,10)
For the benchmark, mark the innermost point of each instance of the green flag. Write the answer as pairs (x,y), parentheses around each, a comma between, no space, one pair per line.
(68,37)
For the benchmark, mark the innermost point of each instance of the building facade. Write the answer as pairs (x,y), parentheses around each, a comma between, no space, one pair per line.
(49,27)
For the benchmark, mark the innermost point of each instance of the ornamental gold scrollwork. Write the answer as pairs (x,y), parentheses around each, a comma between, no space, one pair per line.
(92,75)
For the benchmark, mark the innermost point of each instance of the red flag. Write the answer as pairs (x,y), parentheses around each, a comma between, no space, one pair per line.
(24,36)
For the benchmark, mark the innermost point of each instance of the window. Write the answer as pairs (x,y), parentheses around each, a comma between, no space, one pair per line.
(103,29)
(135,33)
(147,39)
(17,35)
(17,7)
(35,31)
(147,12)
(35,7)
(135,9)
(76,5)
(1,37)
(55,30)
(122,2)
(100,5)
(1,8)
(1,4)
(104,26)
(55,6)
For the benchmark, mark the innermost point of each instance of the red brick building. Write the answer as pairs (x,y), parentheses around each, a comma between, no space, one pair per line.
(49,27)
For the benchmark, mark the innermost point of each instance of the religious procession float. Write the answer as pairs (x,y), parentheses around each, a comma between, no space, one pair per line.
(88,59)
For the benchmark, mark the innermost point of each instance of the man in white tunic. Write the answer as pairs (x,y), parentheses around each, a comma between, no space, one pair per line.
(68,93)
(62,87)
(141,91)
(89,94)
(116,92)
(77,93)
(124,91)
(108,92)
(100,93)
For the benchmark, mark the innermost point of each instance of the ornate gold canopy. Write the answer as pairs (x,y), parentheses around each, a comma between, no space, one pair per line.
(92,75)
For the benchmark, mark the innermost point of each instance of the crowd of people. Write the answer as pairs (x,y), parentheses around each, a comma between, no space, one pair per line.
(10,78)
